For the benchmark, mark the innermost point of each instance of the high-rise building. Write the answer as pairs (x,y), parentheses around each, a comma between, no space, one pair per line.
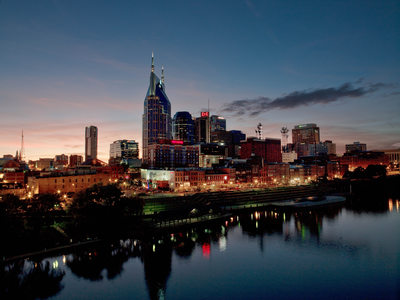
(305,133)
(183,127)
(157,122)
(90,143)
(269,149)
(61,159)
(356,147)
(172,154)
(124,149)
(202,128)
(217,123)
(75,160)
(331,147)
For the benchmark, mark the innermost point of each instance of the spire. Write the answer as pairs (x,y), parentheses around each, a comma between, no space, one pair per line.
(22,151)
(162,74)
(152,62)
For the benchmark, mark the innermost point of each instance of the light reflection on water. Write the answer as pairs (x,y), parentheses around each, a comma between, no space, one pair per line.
(331,253)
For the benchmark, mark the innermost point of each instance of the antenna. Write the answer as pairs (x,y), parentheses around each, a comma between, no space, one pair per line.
(21,152)
(259,131)
(284,132)
(152,62)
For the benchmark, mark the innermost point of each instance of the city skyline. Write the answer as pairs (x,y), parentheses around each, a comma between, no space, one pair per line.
(65,70)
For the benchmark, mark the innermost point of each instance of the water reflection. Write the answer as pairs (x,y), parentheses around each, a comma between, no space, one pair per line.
(30,280)
(156,250)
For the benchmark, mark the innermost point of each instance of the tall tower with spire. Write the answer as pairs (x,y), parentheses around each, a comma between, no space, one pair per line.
(157,121)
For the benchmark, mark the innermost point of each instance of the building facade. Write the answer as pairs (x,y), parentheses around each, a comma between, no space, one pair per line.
(183,127)
(305,133)
(217,123)
(202,128)
(268,149)
(66,183)
(91,142)
(124,149)
(75,160)
(356,147)
(173,155)
(157,122)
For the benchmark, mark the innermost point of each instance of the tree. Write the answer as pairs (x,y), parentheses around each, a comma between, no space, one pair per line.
(10,203)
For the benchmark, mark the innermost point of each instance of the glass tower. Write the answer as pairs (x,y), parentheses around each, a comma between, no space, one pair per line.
(157,122)
(183,127)
(90,142)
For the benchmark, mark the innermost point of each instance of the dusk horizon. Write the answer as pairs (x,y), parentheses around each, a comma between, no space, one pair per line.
(63,70)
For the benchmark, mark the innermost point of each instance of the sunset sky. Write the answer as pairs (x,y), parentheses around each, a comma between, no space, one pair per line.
(65,65)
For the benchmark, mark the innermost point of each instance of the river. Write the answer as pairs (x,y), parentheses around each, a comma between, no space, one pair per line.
(339,252)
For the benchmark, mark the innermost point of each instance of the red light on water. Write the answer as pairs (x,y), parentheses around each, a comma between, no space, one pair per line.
(206,250)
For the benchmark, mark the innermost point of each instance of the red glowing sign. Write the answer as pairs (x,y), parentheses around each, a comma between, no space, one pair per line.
(176,142)
(204,113)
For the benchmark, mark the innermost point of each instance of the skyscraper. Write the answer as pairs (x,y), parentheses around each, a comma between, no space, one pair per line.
(124,149)
(202,128)
(90,143)
(183,127)
(157,122)
(305,133)
(217,123)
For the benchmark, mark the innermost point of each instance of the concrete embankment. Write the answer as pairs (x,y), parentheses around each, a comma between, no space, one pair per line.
(226,201)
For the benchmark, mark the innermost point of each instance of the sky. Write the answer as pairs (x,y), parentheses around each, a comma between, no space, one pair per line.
(65,65)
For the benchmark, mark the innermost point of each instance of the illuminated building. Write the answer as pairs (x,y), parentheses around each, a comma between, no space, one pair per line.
(268,149)
(288,157)
(62,183)
(124,149)
(183,127)
(44,163)
(393,154)
(75,160)
(60,161)
(217,123)
(330,147)
(173,154)
(91,143)
(363,159)
(211,154)
(356,147)
(231,139)
(202,128)
(305,133)
(157,122)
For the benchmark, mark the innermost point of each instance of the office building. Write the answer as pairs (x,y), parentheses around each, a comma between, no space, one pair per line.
(157,121)
(91,143)
(183,127)
(356,147)
(268,149)
(61,159)
(124,149)
(202,128)
(173,154)
(217,123)
(330,147)
(305,133)
(75,160)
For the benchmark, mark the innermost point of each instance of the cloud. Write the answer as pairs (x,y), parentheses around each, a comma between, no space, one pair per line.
(254,107)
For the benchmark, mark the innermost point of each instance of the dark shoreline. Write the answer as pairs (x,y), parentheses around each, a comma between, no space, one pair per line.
(171,215)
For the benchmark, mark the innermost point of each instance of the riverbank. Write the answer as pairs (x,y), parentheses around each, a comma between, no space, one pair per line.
(35,235)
